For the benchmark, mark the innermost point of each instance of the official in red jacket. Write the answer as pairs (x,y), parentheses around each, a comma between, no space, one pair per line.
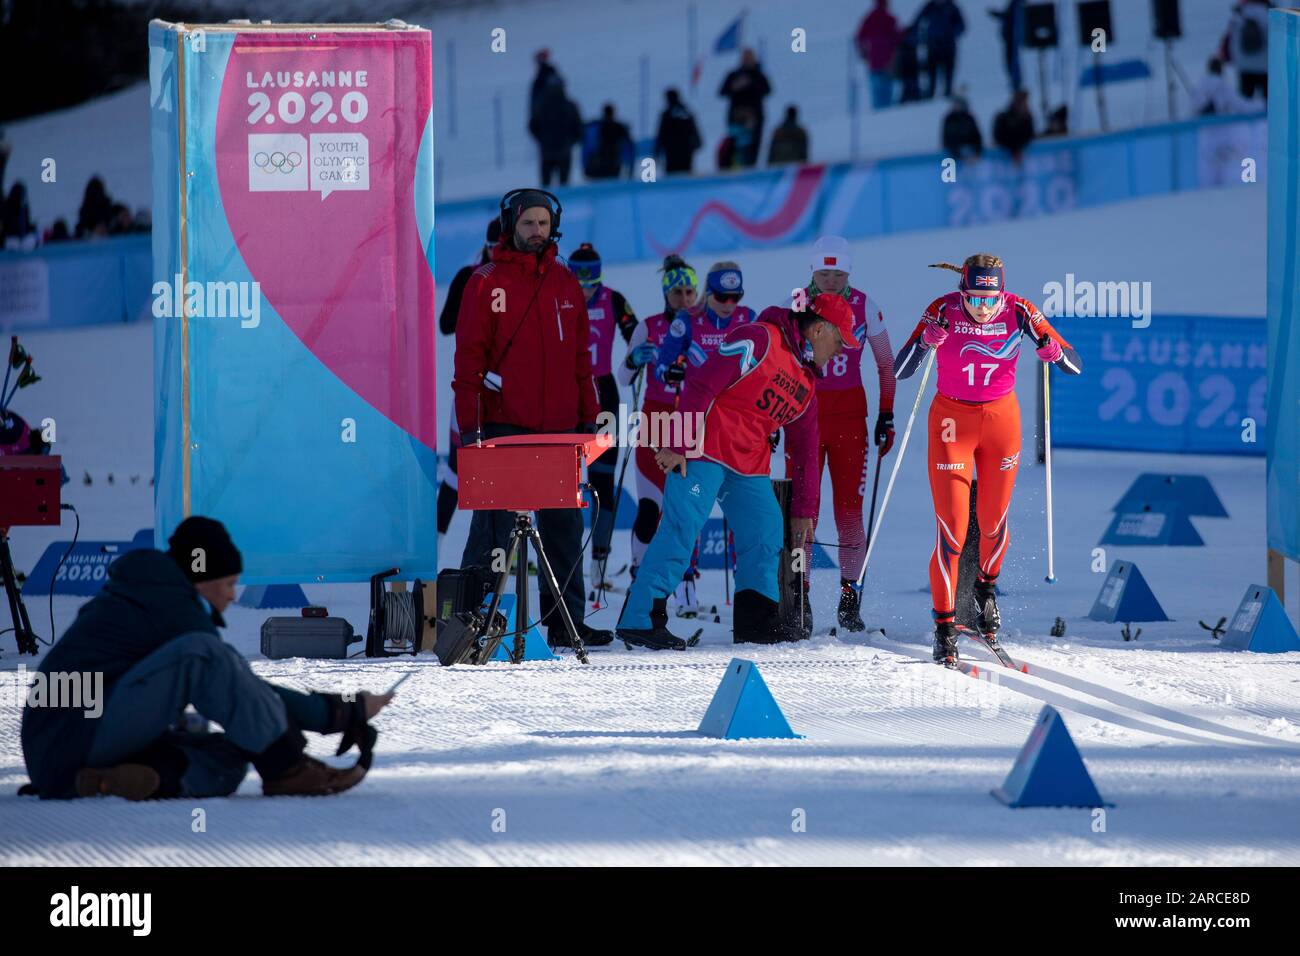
(523,367)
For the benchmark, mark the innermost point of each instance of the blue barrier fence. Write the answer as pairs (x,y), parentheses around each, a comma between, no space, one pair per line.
(1185,384)
(108,281)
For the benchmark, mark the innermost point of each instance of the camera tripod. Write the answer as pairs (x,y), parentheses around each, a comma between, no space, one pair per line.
(23,633)
(524,532)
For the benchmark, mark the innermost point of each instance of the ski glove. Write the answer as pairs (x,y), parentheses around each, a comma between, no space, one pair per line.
(1050,351)
(643,354)
(885,432)
(674,374)
(348,717)
(934,335)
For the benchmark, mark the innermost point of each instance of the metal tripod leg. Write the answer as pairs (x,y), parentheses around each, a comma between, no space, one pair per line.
(519,547)
(512,548)
(23,634)
(544,566)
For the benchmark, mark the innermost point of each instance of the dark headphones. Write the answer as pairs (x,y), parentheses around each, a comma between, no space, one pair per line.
(508,216)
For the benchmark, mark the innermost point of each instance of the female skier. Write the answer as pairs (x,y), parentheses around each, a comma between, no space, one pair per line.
(975,427)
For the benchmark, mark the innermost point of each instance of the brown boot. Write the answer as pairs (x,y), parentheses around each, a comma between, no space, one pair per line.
(311,778)
(131,781)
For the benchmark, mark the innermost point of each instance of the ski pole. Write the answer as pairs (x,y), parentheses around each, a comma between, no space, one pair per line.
(628,454)
(902,447)
(1047,458)
(726,559)
(875,486)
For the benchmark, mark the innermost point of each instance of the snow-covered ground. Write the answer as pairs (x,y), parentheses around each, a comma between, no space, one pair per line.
(600,47)
(1199,749)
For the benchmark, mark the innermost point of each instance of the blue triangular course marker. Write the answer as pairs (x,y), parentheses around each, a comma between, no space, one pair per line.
(1260,624)
(743,707)
(264,596)
(1125,596)
(535,646)
(1154,523)
(1193,492)
(1049,771)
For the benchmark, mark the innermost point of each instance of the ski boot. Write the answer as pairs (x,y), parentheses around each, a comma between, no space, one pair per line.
(688,604)
(945,643)
(850,616)
(989,620)
(657,637)
(756,619)
(558,636)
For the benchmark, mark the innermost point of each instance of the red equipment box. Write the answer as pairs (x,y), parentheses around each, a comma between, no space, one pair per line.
(526,472)
(29,489)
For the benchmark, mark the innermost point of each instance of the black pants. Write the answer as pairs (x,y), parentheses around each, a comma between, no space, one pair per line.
(561,531)
(556,165)
(449,490)
(941,59)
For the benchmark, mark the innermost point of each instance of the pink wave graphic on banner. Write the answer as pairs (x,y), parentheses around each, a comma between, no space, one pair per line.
(807,181)
(317,143)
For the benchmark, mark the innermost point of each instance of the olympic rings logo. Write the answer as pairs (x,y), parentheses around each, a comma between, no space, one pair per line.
(277,161)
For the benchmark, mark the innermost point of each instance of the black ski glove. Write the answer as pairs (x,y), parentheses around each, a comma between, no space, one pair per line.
(885,432)
(348,717)
(675,374)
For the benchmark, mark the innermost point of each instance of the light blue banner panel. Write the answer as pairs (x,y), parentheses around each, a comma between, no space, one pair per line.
(1184,384)
(1283,468)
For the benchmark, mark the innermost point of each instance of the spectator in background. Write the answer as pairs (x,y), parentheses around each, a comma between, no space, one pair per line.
(96,212)
(17,231)
(543,79)
(57,232)
(941,24)
(961,134)
(907,65)
(678,137)
(607,149)
(745,88)
(1013,128)
(1013,37)
(877,41)
(1212,95)
(557,128)
(789,141)
(1245,45)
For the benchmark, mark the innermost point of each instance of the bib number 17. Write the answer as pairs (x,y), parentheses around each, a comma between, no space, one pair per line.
(990,368)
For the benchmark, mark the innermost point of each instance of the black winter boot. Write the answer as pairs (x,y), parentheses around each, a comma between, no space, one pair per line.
(756,619)
(657,637)
(850,614)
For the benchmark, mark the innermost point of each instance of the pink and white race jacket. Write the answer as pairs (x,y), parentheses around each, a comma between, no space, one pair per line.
(977,361)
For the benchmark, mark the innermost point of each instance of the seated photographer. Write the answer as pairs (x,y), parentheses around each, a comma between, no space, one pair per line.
(761,379)
(151,632)
(523,366)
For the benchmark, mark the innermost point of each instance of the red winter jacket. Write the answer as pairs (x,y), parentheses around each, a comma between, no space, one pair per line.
(525,318)
(878,37)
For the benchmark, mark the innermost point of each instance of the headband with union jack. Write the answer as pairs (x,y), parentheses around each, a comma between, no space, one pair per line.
(982,279)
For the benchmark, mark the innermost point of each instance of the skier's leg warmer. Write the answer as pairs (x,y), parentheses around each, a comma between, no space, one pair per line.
(755,518)
(687,503)
(199,669)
